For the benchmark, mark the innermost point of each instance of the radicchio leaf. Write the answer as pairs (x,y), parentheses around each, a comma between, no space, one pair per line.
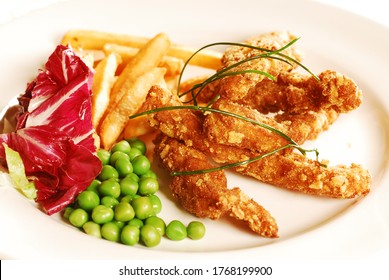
(54,135)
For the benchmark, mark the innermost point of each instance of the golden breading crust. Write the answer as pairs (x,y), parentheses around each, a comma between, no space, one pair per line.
(285,169)
(294,93)
(297,105)
(237,86)
(232,131)
(293,171)
(207,195)
(296,172)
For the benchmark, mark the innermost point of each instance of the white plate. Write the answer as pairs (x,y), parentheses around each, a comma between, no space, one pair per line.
(309,227)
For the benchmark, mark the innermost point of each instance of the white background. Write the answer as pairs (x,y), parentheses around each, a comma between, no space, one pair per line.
(373,9)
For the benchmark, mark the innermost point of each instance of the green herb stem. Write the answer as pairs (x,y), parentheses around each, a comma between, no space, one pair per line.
(240,163)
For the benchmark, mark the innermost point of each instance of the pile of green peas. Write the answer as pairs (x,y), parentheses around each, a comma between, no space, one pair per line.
(121,204)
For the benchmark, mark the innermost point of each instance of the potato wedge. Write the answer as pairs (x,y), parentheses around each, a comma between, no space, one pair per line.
(103,81)
(116,120)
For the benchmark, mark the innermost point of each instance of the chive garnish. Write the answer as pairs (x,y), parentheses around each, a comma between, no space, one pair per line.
(244,162)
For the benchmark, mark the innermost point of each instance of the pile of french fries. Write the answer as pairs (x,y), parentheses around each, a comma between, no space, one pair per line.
(126,67)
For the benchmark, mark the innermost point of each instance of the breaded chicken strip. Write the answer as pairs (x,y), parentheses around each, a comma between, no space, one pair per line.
(294,171)
(307,107)
(285,169)
(297,172)
(237,86)
(207,195)
(184,125)
(294,93)
(232,131)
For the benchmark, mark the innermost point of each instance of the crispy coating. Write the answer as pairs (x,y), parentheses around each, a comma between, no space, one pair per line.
(207,195)
(184,124)
(294,93)
(298,173)
(285,169)
(208,93)
(231,131)
(237,86)
(293,171)
(305,108)
(297,105)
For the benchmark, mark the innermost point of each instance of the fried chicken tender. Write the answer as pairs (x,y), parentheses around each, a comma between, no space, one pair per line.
(298,173)
(293,108)
(223,129)
(285,169)
(293,171)
(294,92)
(204,195)
(207,195)
(184,124)
(306,108)
(208,93)
(237,86)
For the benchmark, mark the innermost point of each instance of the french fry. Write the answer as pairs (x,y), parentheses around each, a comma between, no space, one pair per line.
(206,58)
(95,40)
(125,52)
(103,81)
(87,39)
(137,127)
(116,120)
(146,59)
(172,64)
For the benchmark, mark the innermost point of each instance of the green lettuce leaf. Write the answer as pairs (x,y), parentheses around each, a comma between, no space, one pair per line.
(18,174)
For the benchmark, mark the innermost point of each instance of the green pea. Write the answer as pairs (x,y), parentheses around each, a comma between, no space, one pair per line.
(109,201)
(148,186)
(102,214)
(127,198)
(68,210)
(94,185)
(120,224)
(138,144)
(116,155)
(130,235)
(136,222)
(150,236)
(104,156)
(134,152)
(88,200)
(78,217)
(110,188)
(143,207)
(176,230)
(141,164)
(123,166)
(157,204)
(156,222)
(128,186)
(124,212)
(93,229)
(196,230)
(122,146)
(150,173)
(110,231)
(133,176)
(108,172)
